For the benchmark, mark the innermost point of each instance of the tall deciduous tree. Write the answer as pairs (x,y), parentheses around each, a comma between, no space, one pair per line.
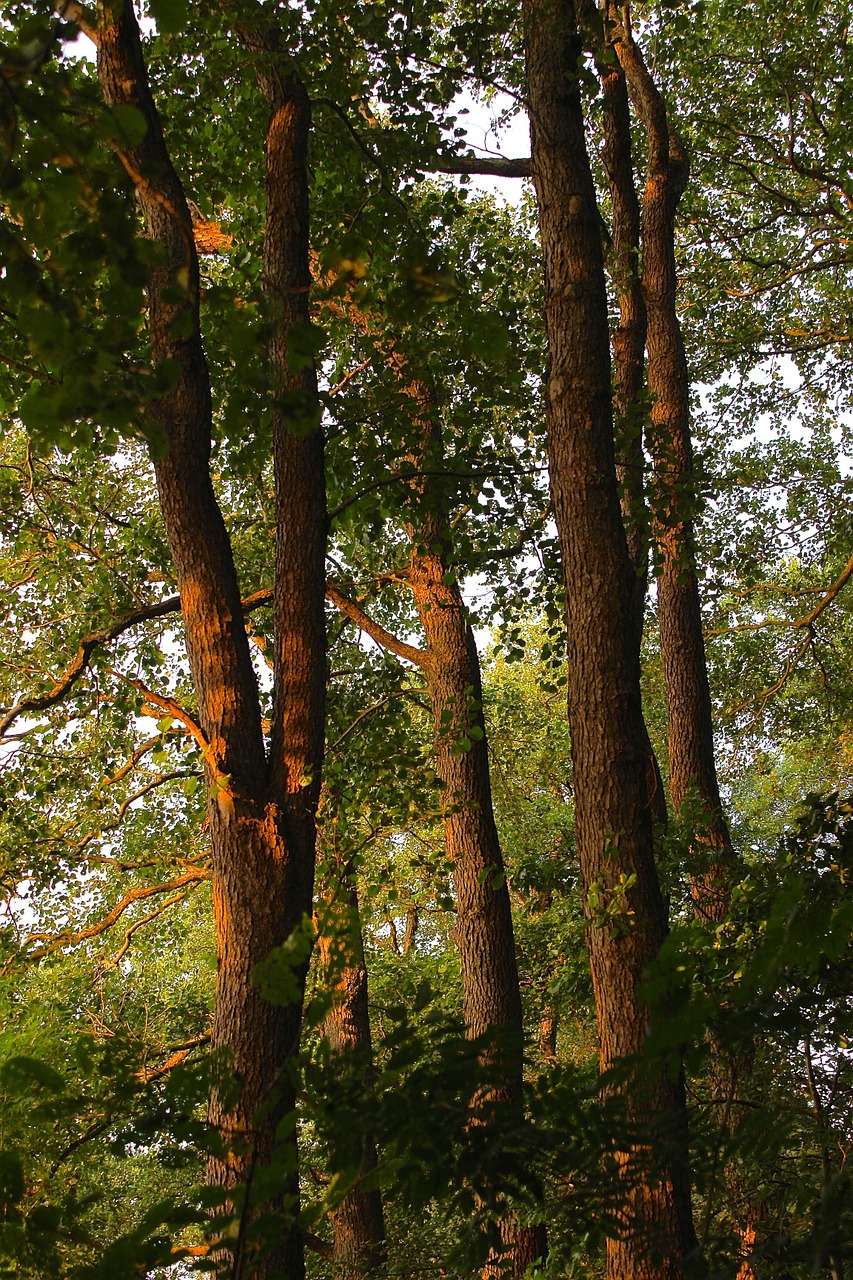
(262,806)
(100,825)
(627,916)
(690,736)
(483,931)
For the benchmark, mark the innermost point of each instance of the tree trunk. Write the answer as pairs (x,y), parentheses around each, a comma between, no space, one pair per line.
(629,337)
(483,931)
(690,727)
(629,347)
(261,815)
(625,912)
(357,1222)
(549,1025)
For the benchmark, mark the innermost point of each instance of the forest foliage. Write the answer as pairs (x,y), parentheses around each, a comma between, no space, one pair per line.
(427,336)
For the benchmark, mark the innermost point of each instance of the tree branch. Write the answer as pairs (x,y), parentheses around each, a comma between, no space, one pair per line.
(73,11)
(172,708)
(483,166)
(87,646)
(376,632)
(316,1245)
(115,823)
(419,473)
(139,924)
(829,596)
(68,939)
(791,663)
(175,1058)
(62,687)
(368,711)
(806,621)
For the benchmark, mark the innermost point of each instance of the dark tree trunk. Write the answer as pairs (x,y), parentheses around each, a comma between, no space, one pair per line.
(629,338)
(357,1222)
(690,728)
(625,911)
(261,815)
(629,348)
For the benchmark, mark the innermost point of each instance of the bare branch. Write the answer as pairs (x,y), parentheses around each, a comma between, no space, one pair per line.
(376,632)
(483,166)
(176,1056)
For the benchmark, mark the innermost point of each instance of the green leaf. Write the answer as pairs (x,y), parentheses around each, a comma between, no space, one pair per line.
(129,125)
(21,1070)
(12,1184)
(170,15)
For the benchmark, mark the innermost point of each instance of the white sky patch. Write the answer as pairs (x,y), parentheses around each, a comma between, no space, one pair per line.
(485,135)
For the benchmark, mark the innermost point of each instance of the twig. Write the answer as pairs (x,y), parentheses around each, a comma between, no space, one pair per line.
(368,711)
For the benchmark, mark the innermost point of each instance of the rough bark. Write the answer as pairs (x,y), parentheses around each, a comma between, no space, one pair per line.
(629,337)
(629,342)
(483,932)
(298,714)
(690,727)
(357,1221)
(625,911)
(261,815)
(689,713)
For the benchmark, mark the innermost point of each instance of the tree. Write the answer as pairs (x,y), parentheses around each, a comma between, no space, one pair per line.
(613,820)
(388,437)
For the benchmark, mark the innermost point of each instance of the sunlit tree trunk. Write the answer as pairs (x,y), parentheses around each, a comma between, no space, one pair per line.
(261,811)
(483,932)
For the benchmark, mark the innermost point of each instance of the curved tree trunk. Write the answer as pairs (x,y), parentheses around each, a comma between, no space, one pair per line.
(261,812)
(689,713)
(629,347)
(483,932)
(625,912)
(690,727)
